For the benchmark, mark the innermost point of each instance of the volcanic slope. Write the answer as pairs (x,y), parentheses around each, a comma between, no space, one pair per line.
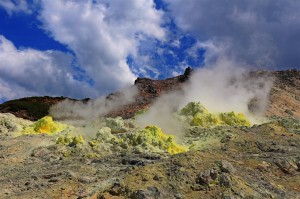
(218,156)
(284,97)
(285,94)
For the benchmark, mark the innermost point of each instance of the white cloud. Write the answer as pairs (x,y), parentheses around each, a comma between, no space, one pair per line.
(12,91)
(30,72)
(260,33)
(176,43)
(15,6)
(175,73)
(102,34)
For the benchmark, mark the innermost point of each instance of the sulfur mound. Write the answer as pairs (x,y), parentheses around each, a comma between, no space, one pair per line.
(205,119)
(104,134)
(69,140)
(116,125)
(192,108)
(200,116)
(10,124)
(233,119)
(152,137)
(45,125)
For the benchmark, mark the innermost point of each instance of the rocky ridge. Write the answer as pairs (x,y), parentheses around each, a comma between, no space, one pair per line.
(284,96)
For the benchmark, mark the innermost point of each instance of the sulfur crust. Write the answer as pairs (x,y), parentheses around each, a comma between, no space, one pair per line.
(202,117)
(45,125)
(154,136)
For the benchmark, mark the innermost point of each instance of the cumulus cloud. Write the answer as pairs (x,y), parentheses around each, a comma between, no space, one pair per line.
(259,33)
(10,90)
(15,6)
(28,72)
(102,34)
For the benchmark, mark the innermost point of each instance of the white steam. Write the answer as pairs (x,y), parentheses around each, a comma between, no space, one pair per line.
(228,86)
(161,113)
(92,109)
(222,87)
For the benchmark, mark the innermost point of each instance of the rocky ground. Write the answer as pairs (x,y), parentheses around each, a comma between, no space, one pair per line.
(261,161)
(285,94)
(227,161)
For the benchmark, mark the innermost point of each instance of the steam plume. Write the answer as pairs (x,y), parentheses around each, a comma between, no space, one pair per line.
(92,109)
(222,87)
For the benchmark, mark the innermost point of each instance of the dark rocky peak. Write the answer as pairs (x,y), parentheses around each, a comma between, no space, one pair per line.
(186,75)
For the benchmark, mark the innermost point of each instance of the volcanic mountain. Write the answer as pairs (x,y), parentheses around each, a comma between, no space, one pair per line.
(284,96)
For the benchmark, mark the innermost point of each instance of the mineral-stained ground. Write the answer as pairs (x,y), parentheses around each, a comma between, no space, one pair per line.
(218,156)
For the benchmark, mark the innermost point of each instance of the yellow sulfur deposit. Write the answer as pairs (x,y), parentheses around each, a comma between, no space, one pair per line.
(154,137)
(70,140)
(44,125)
(205,119)
(202,117)
(233,119)
(192,108)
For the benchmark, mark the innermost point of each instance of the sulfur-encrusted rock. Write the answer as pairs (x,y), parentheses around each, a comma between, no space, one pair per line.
(104,134)
(205,120)
(233,119)
(11,124)
(153,138)
(69,140)
(202,117)
(192,108)
(45,125)
(116,125)
(197,115)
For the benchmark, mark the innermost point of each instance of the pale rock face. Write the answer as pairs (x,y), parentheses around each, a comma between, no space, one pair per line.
(104,134)
(11,124)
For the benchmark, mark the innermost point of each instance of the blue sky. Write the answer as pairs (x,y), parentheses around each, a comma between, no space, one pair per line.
(26,31)
(91,48)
